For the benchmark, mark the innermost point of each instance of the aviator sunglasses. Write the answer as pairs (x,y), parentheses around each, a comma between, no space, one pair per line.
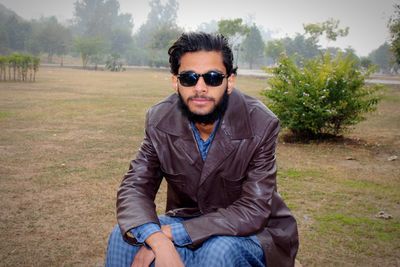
(190,78)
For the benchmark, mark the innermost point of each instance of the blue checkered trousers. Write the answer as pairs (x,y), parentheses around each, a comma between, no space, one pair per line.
(218,251)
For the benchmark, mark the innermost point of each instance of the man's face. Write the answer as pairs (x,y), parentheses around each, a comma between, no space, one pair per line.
(202,99)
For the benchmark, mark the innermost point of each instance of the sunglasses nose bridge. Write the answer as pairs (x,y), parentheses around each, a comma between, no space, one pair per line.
(201,85)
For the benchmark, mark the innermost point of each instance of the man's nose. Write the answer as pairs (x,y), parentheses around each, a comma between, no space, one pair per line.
(201,86)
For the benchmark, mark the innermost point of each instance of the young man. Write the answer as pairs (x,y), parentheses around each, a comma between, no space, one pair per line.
(216,149)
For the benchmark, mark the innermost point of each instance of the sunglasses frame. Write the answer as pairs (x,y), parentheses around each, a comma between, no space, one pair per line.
(206,77)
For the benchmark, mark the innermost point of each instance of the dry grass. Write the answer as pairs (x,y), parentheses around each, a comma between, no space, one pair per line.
(67,139)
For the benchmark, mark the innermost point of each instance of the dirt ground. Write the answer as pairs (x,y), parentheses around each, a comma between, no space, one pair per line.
(67,139)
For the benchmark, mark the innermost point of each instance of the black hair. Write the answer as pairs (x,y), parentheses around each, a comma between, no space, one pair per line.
(200,41)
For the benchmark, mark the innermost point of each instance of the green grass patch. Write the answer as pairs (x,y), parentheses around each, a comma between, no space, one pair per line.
(359,228)
(5,115)
(356,184)
(391,95)
(297,174)
(372,188)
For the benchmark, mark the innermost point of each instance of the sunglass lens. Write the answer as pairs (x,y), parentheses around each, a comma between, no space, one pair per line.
(188,78)
(213,78)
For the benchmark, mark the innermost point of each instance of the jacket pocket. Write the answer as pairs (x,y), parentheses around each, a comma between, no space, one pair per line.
(176,181)
(178,178)
(234,183)
(232,187)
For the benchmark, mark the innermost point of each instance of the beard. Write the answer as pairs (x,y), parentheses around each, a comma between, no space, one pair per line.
(214,115)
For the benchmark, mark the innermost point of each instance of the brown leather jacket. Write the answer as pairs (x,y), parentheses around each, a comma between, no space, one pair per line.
(233,192)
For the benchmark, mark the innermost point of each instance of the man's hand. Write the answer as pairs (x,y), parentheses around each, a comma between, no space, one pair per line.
(143,258)
(166,229)
(164,250)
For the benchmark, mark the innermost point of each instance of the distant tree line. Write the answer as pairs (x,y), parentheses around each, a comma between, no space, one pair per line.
(394,28)
(305,46)
(44,35)
(18,67)
(99,32)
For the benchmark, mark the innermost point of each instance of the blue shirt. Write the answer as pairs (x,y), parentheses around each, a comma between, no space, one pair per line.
(179,233)
(204,146)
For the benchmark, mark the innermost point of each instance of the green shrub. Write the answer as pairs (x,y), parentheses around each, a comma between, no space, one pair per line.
(20,67)
(323,97)
(114,63)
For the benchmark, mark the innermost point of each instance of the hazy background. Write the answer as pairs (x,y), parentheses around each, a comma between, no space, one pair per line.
(367,19)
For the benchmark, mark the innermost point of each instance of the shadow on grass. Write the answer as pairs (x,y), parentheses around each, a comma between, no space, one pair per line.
(292,138)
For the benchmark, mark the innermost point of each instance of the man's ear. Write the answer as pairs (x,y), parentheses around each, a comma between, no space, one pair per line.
(174,80)
(231,83)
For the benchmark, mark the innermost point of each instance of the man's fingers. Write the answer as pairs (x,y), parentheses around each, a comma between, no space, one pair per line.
(143,258)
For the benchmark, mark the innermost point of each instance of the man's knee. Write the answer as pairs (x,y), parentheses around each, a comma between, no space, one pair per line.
(224,245)
(119,252)
(115,235)
(234,251)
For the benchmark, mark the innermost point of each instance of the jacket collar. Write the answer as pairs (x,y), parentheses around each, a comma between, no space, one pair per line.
(235,123)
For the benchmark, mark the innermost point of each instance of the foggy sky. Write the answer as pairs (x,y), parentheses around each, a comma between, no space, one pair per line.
(367,19)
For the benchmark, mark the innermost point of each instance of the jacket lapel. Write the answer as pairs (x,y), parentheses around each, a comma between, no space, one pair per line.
(189,148)
(174,123)
(221,147)
(235,126)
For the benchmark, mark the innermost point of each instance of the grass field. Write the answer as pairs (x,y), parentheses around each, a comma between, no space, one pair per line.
(66,140)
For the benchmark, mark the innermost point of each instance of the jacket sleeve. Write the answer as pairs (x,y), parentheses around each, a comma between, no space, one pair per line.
(135,197)
(249,214)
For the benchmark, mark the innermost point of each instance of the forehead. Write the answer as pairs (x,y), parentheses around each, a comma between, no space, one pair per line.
(202,61)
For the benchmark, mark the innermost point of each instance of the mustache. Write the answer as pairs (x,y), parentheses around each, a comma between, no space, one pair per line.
(209,98)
